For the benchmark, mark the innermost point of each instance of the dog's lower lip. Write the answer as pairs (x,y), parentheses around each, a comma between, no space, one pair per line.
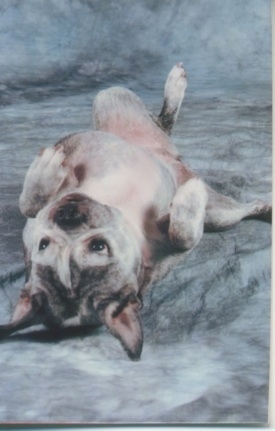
(69,216)
(74,197)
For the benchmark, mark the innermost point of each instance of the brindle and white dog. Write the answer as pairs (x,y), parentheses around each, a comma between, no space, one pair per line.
(107,209)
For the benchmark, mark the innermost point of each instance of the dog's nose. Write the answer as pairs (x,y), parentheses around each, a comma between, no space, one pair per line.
(69,216)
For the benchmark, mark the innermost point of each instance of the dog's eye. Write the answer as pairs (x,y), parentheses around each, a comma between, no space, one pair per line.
(44,244)
(98,246)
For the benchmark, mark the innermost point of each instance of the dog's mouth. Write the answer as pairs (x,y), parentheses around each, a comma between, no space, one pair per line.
(75,210)
(71,211)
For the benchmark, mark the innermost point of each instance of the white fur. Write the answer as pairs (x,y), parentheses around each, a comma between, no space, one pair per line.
(187,213)
(175,87)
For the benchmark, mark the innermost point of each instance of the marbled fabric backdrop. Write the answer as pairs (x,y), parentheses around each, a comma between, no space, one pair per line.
(206,352)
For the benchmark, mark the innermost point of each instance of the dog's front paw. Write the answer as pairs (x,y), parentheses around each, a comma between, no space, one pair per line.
(51,167)
(187,214)
(175,86)
(44,178)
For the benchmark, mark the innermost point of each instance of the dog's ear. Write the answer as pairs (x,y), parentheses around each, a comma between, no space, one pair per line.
(121,316)
(23,305)
(28,312)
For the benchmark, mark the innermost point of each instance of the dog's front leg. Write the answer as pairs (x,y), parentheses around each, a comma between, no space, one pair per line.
(223,212)
(45,177)
(187,213)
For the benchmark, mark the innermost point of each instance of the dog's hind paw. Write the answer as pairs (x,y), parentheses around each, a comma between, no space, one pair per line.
(175,86)
(174,89)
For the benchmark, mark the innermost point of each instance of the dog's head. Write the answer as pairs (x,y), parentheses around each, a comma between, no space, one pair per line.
(86,260)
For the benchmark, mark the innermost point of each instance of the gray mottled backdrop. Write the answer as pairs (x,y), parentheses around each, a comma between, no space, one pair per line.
(206,352)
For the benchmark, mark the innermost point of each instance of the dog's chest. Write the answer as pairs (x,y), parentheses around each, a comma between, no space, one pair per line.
(133,190)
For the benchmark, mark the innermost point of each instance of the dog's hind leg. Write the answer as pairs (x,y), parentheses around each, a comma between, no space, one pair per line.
(174,90)
(120,111)
(223,212)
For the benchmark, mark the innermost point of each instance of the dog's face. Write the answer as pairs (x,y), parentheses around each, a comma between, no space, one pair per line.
(86,260)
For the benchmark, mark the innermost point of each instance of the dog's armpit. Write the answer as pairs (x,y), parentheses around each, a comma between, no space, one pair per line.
(80,172)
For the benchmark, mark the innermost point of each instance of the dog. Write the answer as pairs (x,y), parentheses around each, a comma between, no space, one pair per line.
(106,210)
